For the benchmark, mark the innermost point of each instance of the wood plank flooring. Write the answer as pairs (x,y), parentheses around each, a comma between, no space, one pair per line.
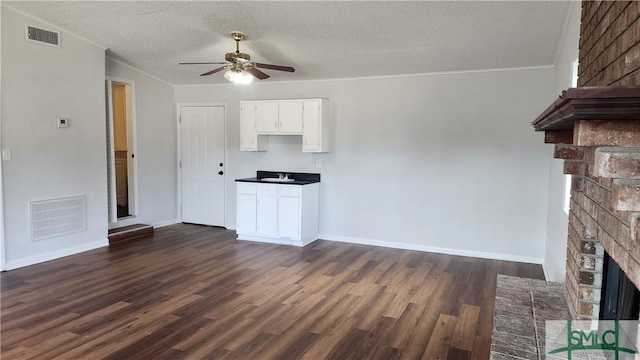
(194,292)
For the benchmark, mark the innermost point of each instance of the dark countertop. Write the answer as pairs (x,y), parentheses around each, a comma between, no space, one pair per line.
(295,182)
(299,178)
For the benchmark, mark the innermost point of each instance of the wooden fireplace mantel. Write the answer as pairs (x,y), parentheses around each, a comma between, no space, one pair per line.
(601,103)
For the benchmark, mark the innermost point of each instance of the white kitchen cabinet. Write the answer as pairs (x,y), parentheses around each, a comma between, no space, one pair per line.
(281,214)
(247,208)
(289,211)
(249,138)
(267,210)
(315,126)
(290,117)
(306,117)
(267,120)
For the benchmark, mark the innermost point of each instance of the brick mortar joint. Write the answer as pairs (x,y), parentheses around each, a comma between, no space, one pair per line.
(591,180)
(600,205)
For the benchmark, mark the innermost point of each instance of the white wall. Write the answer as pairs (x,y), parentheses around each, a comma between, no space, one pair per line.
(445,162)
(156,138)
(557,219)
(39,84)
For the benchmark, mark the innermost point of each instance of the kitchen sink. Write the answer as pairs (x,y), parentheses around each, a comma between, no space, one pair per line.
(277,180)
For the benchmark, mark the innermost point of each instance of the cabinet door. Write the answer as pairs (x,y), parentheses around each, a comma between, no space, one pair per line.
(266,117)
(246,214)
(311,130)
(248,137)
(289,217)
(267,210)
(290,116)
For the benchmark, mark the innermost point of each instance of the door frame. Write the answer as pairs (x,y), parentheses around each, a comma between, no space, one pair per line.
(2,239)
(132,142)
(179,107)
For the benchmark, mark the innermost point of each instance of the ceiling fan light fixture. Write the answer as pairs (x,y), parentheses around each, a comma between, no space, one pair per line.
(238,77)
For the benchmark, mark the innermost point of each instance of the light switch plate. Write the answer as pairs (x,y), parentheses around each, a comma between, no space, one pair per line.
(318,163)
(6,154)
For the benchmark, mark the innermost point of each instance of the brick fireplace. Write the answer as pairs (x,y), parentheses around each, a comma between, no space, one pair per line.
(597,133)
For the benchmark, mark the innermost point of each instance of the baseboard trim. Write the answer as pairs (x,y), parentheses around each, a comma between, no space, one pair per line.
(230,226)
(53,255)
(547,277)
(270,240)
(164,223)
(433,249)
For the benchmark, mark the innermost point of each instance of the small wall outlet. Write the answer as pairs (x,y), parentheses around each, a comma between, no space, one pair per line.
(318,163)
(63,122)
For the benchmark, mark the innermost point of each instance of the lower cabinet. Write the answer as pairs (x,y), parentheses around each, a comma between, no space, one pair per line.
(275,213)
(267,210)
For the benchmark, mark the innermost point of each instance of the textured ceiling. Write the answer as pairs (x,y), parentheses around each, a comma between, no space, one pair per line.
(322,40)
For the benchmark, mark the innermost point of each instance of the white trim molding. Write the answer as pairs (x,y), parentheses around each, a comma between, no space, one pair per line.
(138,70)
(546,271)
(53,255)
(432,249)
(164,223)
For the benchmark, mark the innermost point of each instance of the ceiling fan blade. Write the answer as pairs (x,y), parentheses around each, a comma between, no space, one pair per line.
(214,71)
(201,63)
(257,73)
(275,67)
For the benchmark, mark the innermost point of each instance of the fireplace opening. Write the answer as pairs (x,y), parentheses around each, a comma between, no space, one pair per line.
(620,297)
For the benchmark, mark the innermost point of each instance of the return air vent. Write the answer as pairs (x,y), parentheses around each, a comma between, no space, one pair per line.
(42,36)
(57,217)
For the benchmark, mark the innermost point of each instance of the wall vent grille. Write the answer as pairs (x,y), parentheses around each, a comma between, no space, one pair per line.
(43,36)
(57,217)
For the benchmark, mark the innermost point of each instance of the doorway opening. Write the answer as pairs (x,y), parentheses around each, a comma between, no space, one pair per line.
(121,152)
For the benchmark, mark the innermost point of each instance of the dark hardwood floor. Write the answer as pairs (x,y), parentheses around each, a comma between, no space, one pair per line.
(194,292)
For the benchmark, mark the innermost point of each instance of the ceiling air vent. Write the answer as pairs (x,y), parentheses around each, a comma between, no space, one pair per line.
(42,36)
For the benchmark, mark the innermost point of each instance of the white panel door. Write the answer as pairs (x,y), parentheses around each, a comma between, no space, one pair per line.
(202,165)
(267,212)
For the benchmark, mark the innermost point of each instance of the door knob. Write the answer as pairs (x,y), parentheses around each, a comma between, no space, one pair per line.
(221,164)
(220,172)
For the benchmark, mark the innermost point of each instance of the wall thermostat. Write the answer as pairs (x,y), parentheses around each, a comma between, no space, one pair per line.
(63,122)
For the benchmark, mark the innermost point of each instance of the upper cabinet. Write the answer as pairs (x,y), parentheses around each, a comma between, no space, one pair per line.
(249,139)
(267,120)
(290,116)
(315,126)
(306,117)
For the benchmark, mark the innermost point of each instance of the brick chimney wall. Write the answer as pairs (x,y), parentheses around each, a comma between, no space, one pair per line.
(605,194)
